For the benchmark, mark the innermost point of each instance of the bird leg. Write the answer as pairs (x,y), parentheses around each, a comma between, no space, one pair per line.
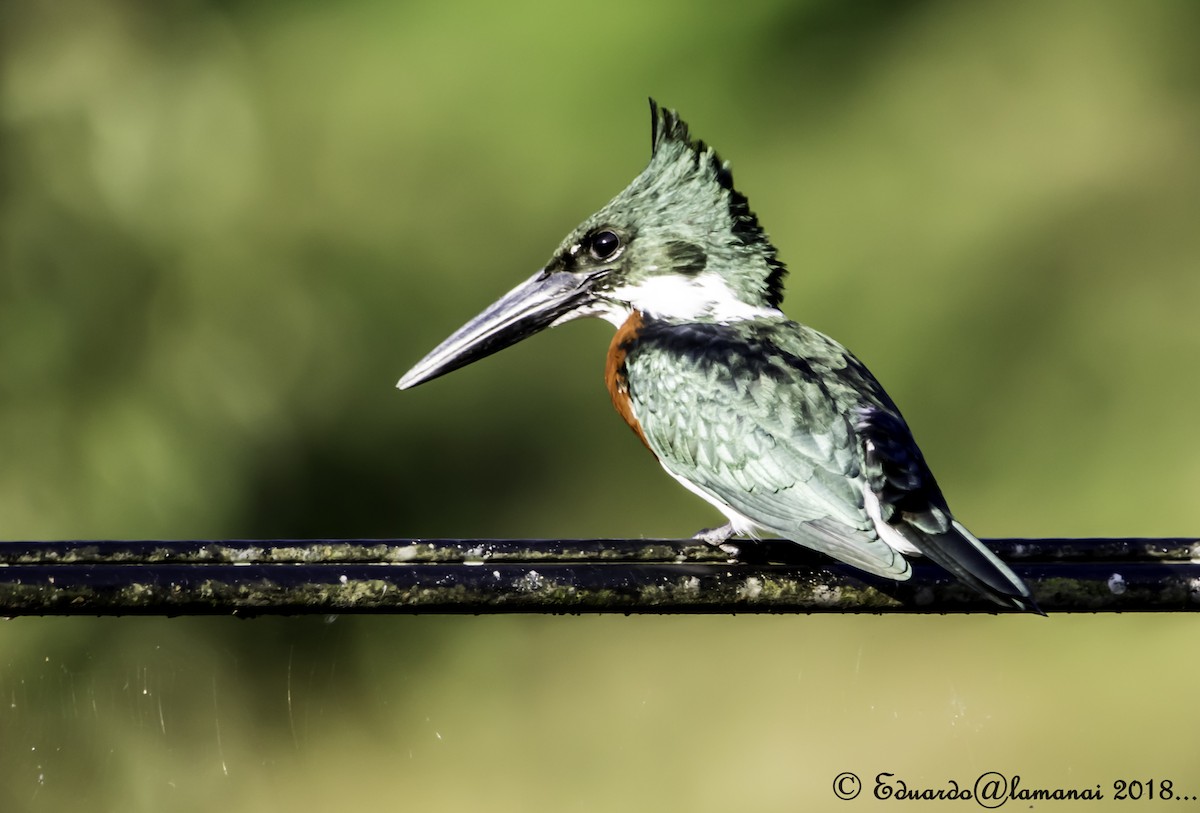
(747,551)
(719,538)
(715,536)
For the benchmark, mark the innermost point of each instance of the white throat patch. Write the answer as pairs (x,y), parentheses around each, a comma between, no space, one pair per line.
(672,296)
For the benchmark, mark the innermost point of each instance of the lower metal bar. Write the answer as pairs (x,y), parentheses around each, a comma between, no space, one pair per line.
(560,576)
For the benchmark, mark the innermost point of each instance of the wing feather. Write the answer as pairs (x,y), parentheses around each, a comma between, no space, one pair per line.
(755,427)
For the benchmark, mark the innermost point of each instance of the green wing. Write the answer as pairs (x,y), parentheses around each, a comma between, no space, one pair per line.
(760,416)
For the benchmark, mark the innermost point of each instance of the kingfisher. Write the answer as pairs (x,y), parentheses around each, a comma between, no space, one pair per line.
(777,425)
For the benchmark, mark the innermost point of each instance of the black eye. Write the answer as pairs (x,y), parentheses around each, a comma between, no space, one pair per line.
(604,244)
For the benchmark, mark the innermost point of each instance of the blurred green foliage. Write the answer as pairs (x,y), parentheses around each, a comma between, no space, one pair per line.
(227,228)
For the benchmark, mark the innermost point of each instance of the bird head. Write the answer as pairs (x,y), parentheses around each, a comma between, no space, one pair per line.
(678,243)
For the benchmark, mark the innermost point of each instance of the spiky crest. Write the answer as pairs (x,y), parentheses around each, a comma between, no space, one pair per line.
(671,143)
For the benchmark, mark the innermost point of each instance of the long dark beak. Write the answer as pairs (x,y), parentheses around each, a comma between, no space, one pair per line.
(532,306)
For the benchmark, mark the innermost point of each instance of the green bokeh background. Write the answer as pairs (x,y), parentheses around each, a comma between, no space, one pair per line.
(227,228)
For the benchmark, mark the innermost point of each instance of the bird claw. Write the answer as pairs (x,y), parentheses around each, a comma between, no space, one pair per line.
(715,536)
(719,538)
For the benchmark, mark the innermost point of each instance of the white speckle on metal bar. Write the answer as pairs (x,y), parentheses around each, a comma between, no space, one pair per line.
(751,588)
(1116,583)
(531,581)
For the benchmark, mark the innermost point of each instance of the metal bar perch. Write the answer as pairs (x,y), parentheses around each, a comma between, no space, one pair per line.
(248,577)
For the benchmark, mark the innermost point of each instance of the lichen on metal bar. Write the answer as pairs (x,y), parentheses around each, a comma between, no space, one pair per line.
(254,577)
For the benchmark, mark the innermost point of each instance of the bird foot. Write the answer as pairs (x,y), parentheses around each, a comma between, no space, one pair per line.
(715,536)
(719,538)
